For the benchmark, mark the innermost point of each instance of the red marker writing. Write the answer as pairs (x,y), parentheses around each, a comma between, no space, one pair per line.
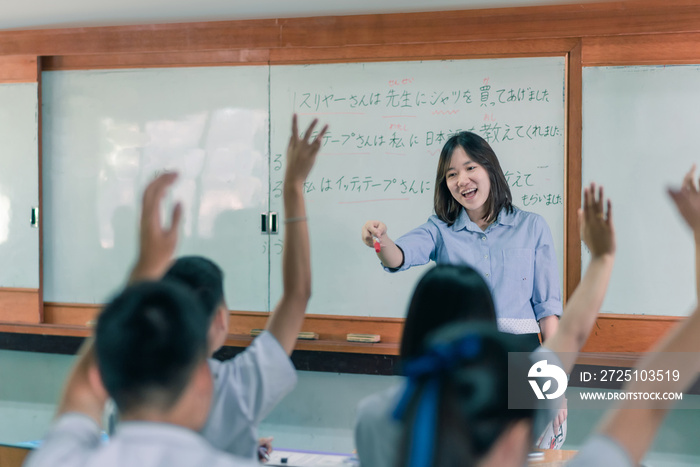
(377,245)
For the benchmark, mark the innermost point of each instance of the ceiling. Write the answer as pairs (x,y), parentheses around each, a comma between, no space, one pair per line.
(41,14)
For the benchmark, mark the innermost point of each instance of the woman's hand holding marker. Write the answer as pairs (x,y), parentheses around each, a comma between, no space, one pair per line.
(374,236)
(372,233)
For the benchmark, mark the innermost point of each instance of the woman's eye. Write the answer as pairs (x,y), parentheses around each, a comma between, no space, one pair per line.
(450,175)
(472,167)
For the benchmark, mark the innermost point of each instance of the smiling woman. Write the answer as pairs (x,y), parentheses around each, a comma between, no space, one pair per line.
(475,223)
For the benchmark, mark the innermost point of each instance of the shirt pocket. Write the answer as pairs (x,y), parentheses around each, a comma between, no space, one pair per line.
(518,271)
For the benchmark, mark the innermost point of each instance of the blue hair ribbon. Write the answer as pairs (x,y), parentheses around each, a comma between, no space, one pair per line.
(435,362)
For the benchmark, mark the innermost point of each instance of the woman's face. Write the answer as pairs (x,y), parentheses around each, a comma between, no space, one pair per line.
(468,183)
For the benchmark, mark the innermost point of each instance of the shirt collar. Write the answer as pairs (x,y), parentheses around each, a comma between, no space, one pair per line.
(143,430)
(464,222)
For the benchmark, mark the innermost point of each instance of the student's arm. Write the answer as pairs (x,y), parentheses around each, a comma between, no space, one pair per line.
(581,310)
(390,255)
(686,210)
(548,326)
(633,424)
(288,316)
(75,433)
(635,428)
(83,392)
(156,243)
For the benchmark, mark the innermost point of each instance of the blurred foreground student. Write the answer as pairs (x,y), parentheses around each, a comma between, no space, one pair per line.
(150,355)
(249,386)
(628,431)
(439,302)
(465,386)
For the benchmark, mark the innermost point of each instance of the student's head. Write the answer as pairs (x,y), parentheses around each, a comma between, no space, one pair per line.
(151,351)
(445,294)
(206,280)
(470,176)
(455,409)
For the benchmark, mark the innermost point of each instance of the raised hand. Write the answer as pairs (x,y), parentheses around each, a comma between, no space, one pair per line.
(157,243)
(687,200)
(301,152)
(597,229)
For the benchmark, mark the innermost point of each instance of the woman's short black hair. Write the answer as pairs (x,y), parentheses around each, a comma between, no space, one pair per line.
(446,207)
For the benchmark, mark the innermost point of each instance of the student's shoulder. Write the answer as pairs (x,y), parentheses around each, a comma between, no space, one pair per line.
(380,404)
(264,351)
(601,450)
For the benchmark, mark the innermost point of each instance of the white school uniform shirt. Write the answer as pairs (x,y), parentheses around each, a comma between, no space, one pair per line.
(378,434)
(74,441)
(601,450)
(246,389)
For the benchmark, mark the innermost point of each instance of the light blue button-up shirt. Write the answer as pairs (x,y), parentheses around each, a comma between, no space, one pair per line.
(515,256)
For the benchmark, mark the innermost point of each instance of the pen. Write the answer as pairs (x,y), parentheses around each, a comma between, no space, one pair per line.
(377,245)
(262,453)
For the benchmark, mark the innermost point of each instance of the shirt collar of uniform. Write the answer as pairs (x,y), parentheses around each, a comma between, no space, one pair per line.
(464,222)
(143,431)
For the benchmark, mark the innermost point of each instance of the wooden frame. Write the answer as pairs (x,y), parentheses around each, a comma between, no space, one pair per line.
(589,34)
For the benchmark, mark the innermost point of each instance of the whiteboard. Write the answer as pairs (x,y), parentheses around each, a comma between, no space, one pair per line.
(388,123)
(107,133)
(640,136)
(19,185)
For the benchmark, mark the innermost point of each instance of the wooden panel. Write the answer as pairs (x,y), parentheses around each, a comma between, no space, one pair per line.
(652,49)
(455,50)
(612,333)
(18,69)
(628,333)
(19,305)
(155,60)
(572,233)
(12,457)
(332,329)
(70,314)
(143,38)
(417,51)
(45,329)
(583,20)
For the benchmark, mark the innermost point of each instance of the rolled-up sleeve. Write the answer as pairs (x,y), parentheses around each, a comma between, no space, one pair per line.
(546,293)
(247,388)
(418,246)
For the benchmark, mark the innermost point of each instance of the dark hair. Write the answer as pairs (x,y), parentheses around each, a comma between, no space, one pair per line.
(148,343)
(445,294)
(467,379)
(446,207)
(203,277)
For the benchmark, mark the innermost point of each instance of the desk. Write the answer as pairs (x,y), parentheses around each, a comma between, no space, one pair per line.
(553,458)
(297,458)
(11,456)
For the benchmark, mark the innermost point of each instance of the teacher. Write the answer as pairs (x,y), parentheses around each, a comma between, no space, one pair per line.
(475,223)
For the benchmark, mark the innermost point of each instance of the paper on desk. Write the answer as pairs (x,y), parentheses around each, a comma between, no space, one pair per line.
(308,459)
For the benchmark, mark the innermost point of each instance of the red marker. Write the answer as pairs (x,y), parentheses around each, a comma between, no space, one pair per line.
(377,245)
